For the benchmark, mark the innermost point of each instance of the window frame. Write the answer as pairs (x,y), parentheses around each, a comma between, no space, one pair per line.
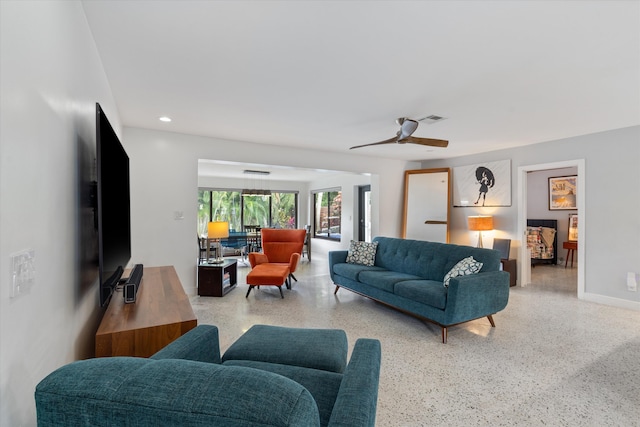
(336,237)
(241,213)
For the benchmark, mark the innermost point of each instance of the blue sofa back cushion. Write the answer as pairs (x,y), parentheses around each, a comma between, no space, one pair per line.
(108,392)
(429,260)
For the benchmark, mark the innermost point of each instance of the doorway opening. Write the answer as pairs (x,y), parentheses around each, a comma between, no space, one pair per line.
(524,259)
(364,213)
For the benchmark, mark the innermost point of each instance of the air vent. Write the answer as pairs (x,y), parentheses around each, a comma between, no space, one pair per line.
(431,119)
(254,172)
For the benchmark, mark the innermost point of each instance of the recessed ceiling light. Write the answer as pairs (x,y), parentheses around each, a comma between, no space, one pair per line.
(165,119)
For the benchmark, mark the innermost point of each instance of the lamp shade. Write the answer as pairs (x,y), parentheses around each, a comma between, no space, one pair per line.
(218,229)
(480,223)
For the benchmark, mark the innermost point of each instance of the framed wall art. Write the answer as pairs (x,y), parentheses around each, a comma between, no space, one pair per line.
(483,184)
(562,193)
(573,228)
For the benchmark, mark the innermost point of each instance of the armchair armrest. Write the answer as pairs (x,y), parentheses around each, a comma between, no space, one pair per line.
(476,295)
(357,398)
(336,257)
(257,258)
(293,262)
(200,344)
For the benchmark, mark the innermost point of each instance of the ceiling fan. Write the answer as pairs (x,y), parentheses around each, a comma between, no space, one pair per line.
(407,127)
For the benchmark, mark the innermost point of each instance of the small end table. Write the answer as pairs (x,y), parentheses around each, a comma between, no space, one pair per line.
(571,247)
(216,280)
(509,265)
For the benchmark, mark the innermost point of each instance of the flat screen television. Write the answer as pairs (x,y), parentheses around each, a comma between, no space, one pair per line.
(113,207)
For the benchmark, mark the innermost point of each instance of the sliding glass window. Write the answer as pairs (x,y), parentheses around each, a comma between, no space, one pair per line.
(283,210)
(278,211)
(327,214)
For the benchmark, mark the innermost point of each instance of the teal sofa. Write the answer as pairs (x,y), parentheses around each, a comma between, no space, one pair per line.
(409,274)
(271,376)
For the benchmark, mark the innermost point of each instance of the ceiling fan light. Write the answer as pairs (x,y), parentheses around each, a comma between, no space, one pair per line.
(408,127)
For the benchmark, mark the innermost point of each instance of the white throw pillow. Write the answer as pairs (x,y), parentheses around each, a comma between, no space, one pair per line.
(463,268)
(363,253)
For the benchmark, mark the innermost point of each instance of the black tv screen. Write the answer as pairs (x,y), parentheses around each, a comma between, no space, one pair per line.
(114,217)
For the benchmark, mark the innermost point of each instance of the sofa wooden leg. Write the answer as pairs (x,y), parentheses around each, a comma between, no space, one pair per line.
(280,289)
(490,317)
(336,291)
(444,335)
(250,287)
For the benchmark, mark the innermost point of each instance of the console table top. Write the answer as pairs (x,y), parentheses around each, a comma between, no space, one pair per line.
(162,312)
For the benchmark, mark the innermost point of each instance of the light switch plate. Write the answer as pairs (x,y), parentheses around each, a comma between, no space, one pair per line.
(632,283)
(23,272)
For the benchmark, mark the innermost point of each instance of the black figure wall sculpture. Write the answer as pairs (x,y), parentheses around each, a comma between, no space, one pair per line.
(485,178)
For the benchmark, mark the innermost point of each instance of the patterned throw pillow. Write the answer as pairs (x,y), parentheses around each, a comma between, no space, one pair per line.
(363,253)
(463,268)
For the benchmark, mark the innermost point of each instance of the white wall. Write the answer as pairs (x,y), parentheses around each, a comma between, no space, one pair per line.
(612,203)
(164,179)
(50,79)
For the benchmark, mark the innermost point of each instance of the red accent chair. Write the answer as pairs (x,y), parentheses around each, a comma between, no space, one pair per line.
(280,246)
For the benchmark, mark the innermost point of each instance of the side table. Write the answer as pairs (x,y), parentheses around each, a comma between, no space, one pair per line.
(216,280)
(571,247)
(509,265)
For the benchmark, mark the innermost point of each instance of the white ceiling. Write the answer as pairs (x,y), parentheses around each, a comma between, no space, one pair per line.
(328,75)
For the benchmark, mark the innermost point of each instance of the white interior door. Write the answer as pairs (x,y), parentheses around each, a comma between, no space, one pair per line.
(427,201)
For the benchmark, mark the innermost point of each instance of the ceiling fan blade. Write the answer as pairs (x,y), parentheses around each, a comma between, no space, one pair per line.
(387,141)
(426,141)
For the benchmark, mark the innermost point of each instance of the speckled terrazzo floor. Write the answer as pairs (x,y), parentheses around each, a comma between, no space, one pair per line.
(552,360)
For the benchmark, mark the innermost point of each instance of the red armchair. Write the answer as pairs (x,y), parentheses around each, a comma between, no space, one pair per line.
(280,246)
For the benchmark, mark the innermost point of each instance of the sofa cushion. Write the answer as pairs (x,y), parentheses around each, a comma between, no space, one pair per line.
(117,391)
(429,292)
(352,271)
(363,253)
(384,280)
(429,260)
(201,343)
(324,349)
(322,385)
(464,267)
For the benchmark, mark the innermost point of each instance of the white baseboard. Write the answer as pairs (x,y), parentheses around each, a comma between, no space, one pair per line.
(614,302)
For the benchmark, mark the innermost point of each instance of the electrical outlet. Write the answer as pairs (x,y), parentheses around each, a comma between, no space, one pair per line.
(23,272)
(632,282)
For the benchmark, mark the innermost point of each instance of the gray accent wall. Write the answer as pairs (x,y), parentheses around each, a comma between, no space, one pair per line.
(612,205)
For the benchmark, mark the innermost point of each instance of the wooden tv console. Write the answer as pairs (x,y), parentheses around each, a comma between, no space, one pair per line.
(162,312)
